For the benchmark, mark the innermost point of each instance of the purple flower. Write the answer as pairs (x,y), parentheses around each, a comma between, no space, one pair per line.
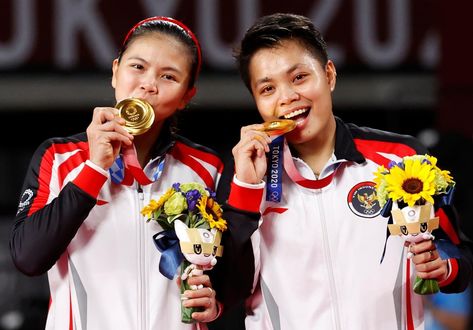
(192,197)
(426,161)
(212,194)
(392,163)
(176,186)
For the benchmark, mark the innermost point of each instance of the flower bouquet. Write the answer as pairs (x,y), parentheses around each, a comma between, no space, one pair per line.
(410,187)
(192,229)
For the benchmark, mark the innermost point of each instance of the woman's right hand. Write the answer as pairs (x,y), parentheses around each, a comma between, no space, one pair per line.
(250,154)
(105,134)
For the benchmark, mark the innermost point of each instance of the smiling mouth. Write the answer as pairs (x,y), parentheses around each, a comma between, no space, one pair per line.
(298,114)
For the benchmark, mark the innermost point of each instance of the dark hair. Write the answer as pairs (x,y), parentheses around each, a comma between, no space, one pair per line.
(269,31)
(170,27)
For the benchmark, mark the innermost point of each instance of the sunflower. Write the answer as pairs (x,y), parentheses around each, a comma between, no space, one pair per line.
(154,205)
(443,179)
(148,210)
(413,183)
(212,213)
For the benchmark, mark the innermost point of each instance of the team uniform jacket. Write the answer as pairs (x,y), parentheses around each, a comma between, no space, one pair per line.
(88,234)
(316,255)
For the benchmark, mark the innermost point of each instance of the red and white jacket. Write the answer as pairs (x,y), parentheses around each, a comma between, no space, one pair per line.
(315,257)
(88,234)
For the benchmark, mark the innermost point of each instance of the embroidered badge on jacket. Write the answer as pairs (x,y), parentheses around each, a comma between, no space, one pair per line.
(363,201)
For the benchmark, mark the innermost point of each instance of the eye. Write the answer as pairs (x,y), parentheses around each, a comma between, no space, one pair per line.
(197,248)
(137,66)
(266,90)
(169,77)
(299,77)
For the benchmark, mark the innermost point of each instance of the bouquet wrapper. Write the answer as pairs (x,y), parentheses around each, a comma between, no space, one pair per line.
(416,224)
(186,312)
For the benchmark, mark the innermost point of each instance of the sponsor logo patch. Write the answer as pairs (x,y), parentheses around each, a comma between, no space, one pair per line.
(363,201)
(25,200)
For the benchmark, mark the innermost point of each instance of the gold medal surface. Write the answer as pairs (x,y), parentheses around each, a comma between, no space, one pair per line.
(138,115)
(278,127)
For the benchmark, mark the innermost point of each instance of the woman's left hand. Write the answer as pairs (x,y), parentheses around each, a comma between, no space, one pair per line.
(427,261)
(204,298)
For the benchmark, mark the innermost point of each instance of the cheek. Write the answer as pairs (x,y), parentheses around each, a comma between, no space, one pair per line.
(322,104)
(167,104)
(124,82)
(266,108)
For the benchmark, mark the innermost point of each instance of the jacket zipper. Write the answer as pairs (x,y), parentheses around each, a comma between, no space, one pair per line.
(328,261)
(141,264)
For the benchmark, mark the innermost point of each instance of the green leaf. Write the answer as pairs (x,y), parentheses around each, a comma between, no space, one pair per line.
(426,286)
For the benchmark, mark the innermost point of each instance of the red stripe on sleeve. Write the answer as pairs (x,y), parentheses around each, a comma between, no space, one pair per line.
(447,226)
(62,148)
(45,171)
(245,198)
(44,180)
(71,163)
(371,149)
(453,272)
(90,181)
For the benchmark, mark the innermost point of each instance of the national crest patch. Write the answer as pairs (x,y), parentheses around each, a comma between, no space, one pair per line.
(362,200)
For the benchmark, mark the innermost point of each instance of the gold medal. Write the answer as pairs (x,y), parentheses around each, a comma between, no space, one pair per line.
(138,115)
(279,127)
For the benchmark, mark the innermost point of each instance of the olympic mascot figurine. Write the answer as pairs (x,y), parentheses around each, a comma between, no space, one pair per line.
(200,247)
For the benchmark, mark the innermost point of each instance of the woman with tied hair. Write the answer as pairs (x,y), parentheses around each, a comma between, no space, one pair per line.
(79,215)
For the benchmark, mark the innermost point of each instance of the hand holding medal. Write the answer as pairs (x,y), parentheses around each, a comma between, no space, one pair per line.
(138,115)
(276,130)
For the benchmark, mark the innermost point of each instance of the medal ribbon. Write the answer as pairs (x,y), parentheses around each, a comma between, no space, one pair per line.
(296,177)
(126,168)
(279,156)
(274,179)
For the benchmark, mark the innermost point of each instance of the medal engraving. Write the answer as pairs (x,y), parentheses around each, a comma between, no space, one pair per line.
(138,115)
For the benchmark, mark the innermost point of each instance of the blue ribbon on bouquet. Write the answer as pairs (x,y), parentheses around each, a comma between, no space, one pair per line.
(171,256)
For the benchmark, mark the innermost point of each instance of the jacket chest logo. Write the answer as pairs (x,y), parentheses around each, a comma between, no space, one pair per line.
(362,200)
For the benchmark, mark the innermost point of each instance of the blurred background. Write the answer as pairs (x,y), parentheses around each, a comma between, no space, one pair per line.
(404,66)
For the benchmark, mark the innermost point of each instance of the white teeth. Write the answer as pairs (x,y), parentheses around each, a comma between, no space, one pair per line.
(295,113)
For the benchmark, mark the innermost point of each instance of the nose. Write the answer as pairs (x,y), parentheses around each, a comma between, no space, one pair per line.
(149,85)
(287,95)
